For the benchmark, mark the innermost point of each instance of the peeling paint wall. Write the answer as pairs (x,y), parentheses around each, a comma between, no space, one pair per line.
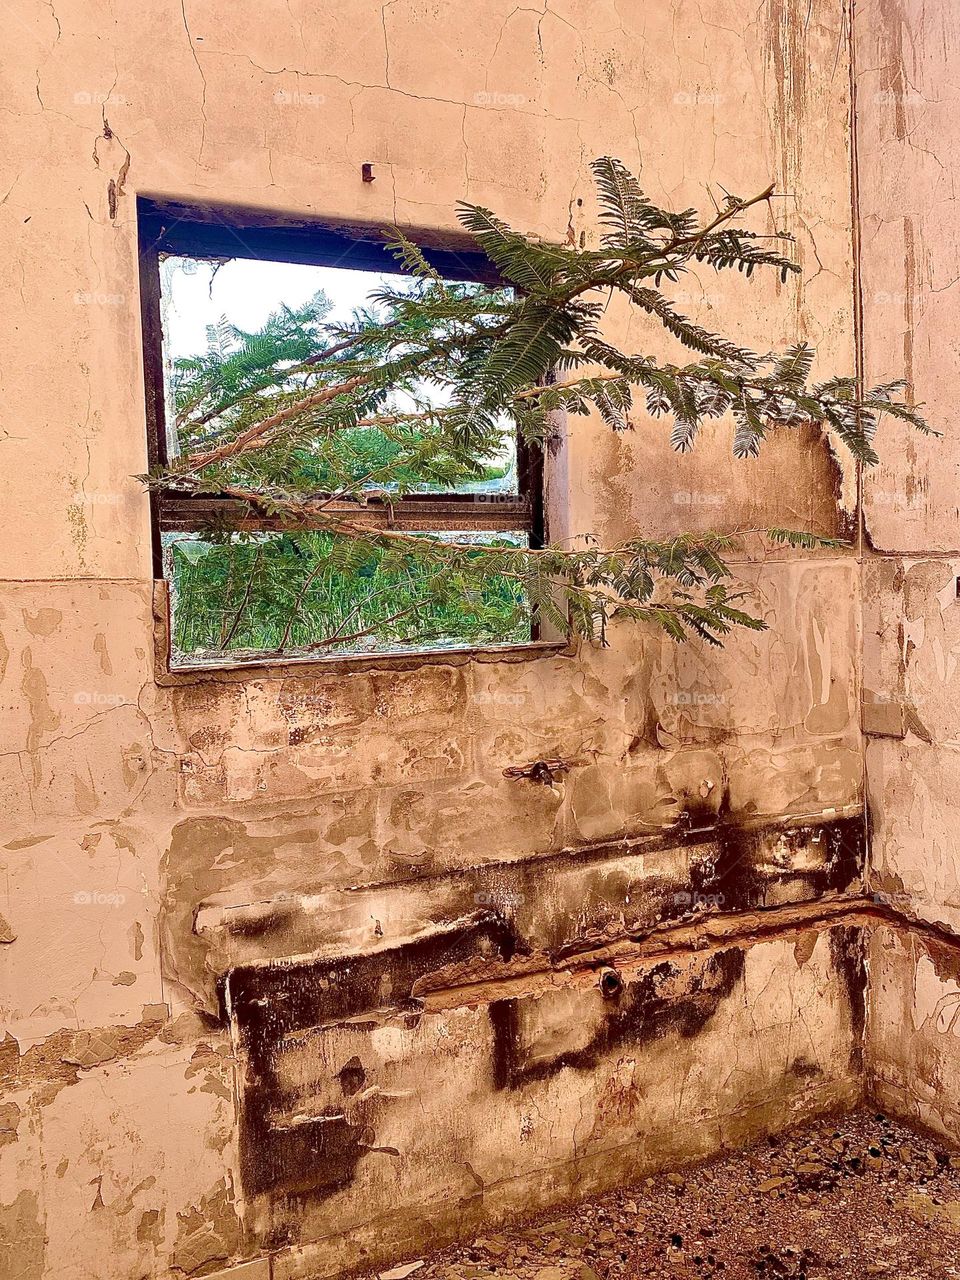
(513,1084)
(908,143)
(345,843)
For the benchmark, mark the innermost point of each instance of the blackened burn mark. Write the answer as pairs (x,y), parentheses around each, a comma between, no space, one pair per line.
(845,851)
(288,1153)
(848,952)
(270,1001)
(644,1012)
(284,1149)
(607,894)
(352,1076)
(739,873)
(316,1158)
(803,1069)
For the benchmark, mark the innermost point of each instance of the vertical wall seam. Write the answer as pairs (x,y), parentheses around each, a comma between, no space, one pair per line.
(860,656)
(859,374)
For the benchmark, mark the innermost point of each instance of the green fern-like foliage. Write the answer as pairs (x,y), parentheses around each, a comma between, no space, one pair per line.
(422,389)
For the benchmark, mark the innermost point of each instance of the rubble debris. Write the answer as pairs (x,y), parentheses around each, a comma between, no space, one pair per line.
(857,1195)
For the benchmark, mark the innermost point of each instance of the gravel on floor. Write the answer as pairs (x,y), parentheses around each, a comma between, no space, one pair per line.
(846,1197)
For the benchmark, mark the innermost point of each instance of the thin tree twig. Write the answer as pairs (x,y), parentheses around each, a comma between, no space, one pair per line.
(251,437)
(246,599)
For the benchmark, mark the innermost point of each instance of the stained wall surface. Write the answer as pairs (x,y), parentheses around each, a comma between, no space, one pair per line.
(344,846)
(908,144)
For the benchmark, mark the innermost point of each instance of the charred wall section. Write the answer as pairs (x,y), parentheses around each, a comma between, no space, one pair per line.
(454,1112)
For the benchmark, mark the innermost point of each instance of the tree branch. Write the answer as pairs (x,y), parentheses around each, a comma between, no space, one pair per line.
(252,437)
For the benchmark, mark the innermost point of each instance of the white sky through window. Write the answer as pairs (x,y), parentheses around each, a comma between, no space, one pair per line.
(247,291)
(198,293)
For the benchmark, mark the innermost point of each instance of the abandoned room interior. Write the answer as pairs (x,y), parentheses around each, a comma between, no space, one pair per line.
(322,950)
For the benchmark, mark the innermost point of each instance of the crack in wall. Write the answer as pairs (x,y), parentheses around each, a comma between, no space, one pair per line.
(203,81)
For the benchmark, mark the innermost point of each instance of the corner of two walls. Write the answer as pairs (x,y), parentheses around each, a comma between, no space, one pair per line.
(908,149)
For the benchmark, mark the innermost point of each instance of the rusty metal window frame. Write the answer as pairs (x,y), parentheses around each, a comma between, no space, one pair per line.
(171,228)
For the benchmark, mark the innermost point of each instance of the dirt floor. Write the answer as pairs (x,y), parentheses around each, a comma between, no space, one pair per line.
(847,1197)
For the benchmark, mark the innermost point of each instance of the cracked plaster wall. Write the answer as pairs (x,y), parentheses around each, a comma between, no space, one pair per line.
(908,143)
(156,837)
